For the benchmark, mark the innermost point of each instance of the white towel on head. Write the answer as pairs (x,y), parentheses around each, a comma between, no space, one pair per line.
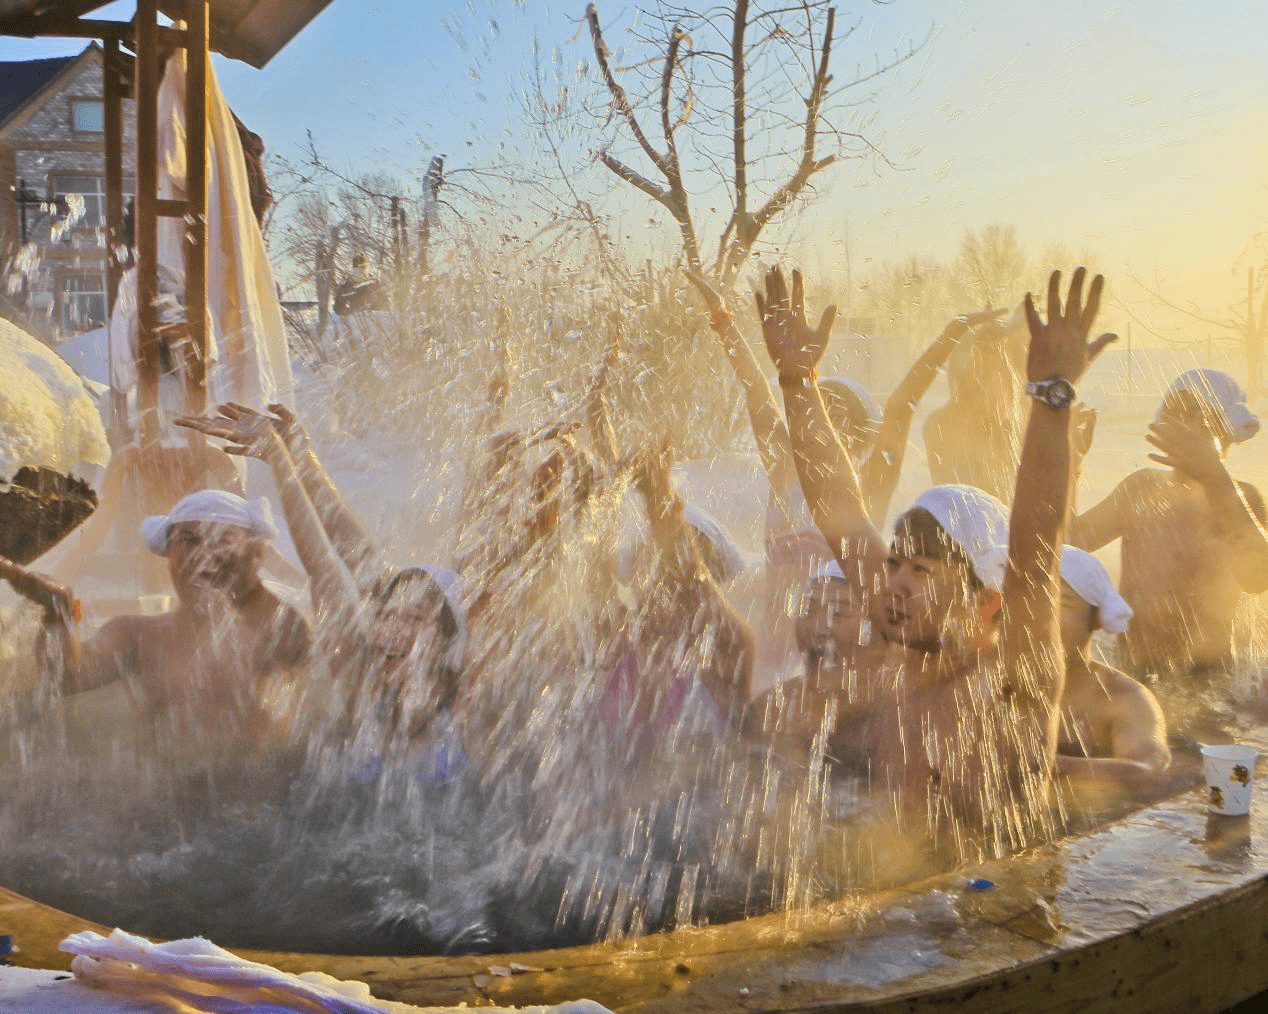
(214,506)
(704,523)
(1091,582)
(872,413)
(830,571)
(976,522)
(451,584)
(1223,397)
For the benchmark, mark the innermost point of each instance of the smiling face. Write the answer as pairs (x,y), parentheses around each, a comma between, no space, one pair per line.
(207,558)
(406,619)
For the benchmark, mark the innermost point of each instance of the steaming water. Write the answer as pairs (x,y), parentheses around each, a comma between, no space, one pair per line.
(551,834)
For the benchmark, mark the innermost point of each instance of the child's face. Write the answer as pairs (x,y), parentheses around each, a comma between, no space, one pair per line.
(830,622)
(407,616)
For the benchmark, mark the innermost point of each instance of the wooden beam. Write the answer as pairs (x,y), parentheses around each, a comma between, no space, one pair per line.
(146,219)
(112,102)
(196,201)
(166,208)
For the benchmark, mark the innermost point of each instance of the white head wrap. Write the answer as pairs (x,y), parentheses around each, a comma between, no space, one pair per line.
(451,584)
(977,523)
(1091,582)
(214,506)
(1222,396)
(732,557)
(871,410)
(830,571)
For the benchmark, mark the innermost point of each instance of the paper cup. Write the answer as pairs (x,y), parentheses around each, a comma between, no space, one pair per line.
(1230,772)
(152,605)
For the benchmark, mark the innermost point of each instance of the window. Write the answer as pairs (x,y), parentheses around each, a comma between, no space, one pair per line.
(82,199)
(81,301)
(87,116)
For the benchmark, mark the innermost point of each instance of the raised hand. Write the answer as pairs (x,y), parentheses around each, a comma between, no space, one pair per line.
(1185,447)
(795,348)
(1060,347)
(971,324)
(248,432)
(288,427)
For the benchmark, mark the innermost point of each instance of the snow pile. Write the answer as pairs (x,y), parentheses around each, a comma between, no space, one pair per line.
(47,417)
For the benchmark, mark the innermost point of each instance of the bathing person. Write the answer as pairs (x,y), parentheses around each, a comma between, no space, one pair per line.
(975,438)
(1192,538)
(197,671)
(397,636)
(876,441)
(965,729)
(1113,736)
(834,694)
(688,662)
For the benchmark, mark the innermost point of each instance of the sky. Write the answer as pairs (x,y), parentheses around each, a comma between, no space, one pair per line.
(1135,129)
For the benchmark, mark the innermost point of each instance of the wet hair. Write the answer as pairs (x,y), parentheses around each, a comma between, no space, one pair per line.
(445,620)
(921,531)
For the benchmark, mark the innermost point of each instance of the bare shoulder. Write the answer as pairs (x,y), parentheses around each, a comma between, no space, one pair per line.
(1127,694)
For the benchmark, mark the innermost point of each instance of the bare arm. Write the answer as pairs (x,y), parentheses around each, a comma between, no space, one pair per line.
(728,673)
(880,472)
(1238,507)
(254,435)
(1034,664)
(828,479)
(769,431)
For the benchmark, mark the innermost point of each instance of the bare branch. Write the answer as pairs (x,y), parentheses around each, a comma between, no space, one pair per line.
(618,93)
(659,194)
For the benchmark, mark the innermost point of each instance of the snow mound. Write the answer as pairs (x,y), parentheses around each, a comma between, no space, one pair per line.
(47,417)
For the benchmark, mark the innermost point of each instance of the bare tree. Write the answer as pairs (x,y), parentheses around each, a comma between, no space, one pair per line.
(714,81)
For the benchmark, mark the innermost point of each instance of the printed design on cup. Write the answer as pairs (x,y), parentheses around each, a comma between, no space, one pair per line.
(1217,796)
(1240,774)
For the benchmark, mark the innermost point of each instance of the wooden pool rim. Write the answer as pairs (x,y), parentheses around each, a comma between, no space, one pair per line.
(1207,952)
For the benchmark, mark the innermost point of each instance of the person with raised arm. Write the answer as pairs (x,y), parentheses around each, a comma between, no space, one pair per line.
(397,635)
(877,442)
(197,672)
(687,667)
(1193,541)
(965,727)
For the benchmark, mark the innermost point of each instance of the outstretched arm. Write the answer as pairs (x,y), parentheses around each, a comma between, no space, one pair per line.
(1034,665)
(880,472)
(828,478)
(728,673)
(769,431)
(254,435)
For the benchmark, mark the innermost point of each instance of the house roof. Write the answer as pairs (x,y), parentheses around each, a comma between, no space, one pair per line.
(253,31)
(22,80)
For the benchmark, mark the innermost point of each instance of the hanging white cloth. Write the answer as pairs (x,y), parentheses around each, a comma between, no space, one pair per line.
(248,357)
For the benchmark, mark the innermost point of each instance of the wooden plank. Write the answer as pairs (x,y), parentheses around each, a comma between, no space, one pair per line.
(146,219)
(112,101)
(196,108)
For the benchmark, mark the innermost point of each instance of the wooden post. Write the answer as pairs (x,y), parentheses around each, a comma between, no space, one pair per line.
(196,201)
(145,218)
(112,105)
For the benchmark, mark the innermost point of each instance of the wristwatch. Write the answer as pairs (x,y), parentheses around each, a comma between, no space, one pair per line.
(1055,392)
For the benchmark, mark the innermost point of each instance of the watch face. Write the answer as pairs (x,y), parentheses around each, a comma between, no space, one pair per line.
(1059,394)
